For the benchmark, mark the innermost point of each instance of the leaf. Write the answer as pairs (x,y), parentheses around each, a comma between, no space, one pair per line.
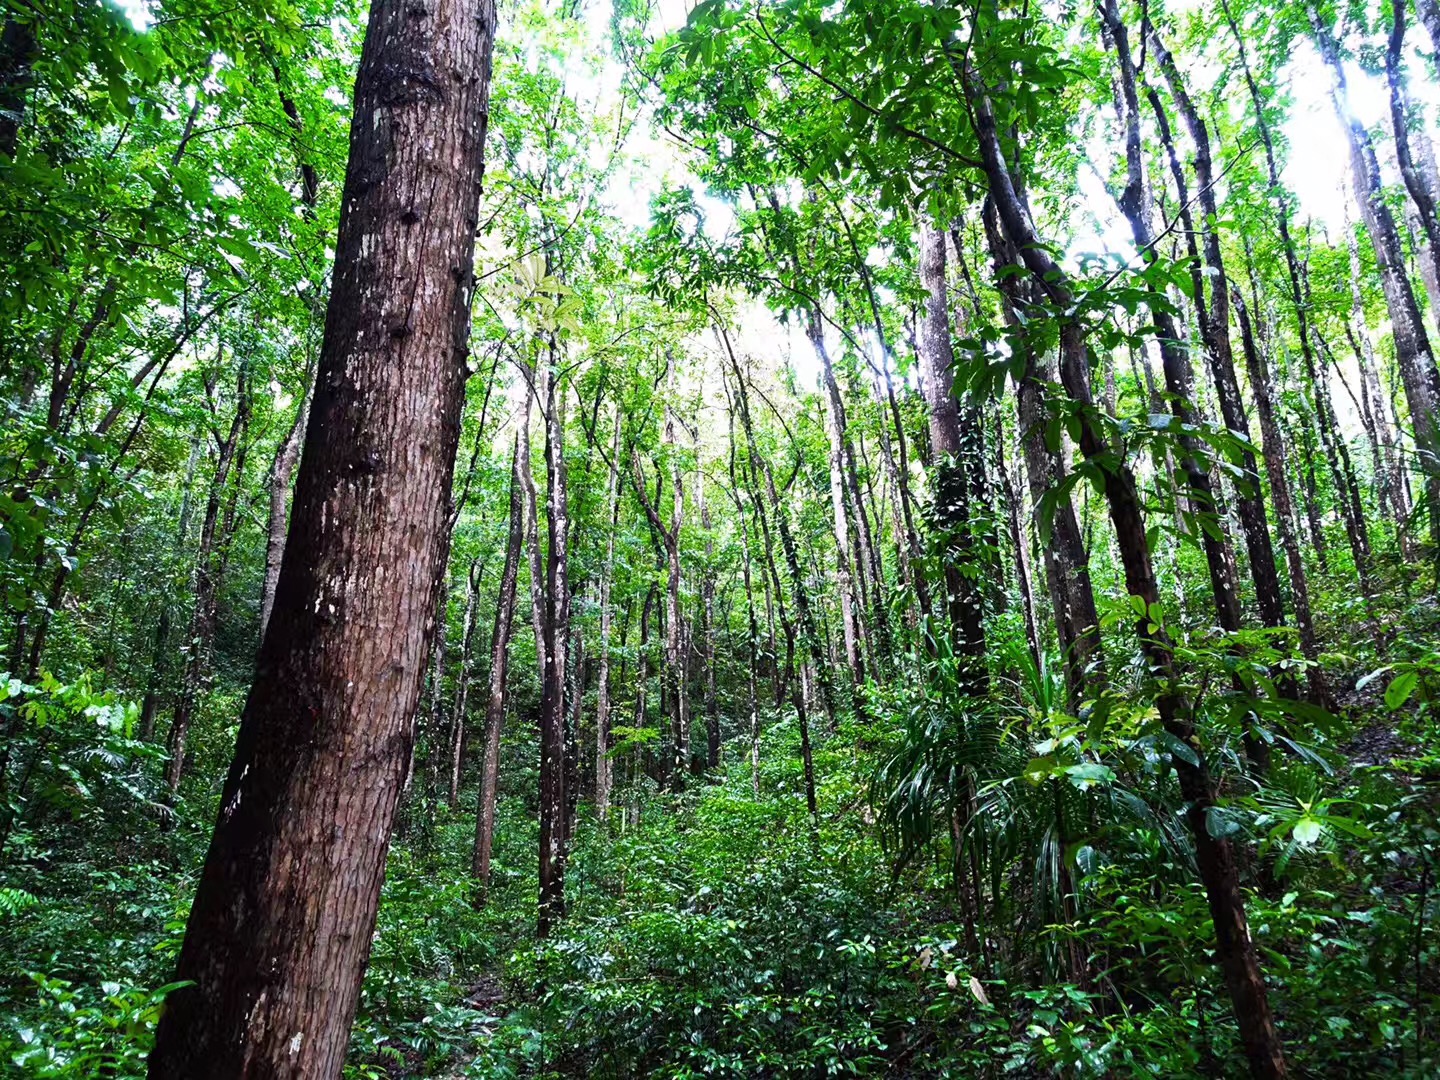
(1308,829)
(1087,775)
(1220,822)
(1366,680)
(1400,689)
(1179,748)
(978,991)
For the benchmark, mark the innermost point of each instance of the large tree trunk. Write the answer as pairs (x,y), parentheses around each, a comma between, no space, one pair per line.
(1214,856)
(499,673)
(282,920)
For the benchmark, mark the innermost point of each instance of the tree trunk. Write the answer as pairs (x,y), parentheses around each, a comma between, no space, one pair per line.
(1416,182)
(556,638)
(207,585)
(1214,856)
(159,665)
(1273,451)
(282,920)
(1067,569)
(802,604)
(499,673)
(287,456)
(534,388)
(1215,327)
(18,50)
(1418,371)
(462,681)
(1017,542)
(950,501)
(1135,203)
(708,629)
(604,765)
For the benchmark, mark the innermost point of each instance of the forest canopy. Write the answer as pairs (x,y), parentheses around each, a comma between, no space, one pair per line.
(749,538)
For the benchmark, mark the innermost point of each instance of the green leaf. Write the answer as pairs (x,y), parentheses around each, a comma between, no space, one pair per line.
(1400,689)
(1179,748)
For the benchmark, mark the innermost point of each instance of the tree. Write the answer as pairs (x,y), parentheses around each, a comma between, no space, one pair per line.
(281,923)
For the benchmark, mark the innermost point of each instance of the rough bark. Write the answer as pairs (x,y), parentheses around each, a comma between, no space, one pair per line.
(283,917)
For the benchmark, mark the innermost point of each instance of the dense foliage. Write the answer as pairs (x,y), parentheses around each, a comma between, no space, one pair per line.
(817,350)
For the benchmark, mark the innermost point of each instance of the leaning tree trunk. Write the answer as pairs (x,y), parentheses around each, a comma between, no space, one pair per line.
(1215,856)
(1418,371)
(283,917)
(1136,204)
(499,672)
(1215,328)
